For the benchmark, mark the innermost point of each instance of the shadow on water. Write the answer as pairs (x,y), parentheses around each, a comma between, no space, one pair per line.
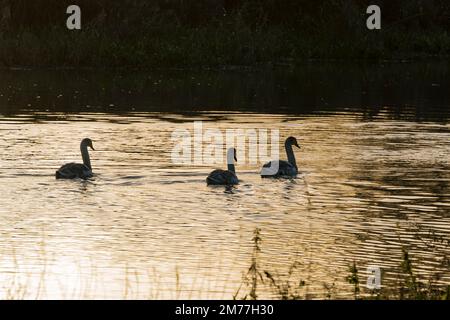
(406,91)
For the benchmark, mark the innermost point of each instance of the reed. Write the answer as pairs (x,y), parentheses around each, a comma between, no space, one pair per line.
(286,286)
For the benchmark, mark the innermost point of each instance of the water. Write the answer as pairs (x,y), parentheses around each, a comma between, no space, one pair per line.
(375,176)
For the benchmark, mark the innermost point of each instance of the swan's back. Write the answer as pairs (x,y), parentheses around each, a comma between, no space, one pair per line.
(285,169)
(74,171)
(222,177)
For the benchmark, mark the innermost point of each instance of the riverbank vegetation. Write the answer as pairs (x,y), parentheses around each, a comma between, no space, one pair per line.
(206,33)
(409,284)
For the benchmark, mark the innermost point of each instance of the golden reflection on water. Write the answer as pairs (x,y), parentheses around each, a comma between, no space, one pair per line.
(148,229)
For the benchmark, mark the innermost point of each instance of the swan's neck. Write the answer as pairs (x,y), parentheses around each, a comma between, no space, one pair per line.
(230,161)
(290,154)
(85,155)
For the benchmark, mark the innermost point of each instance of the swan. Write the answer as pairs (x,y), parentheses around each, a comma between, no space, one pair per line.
(77,170)
(225,177)
(281,168)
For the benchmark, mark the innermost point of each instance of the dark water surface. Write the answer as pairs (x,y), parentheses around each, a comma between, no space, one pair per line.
(375,176)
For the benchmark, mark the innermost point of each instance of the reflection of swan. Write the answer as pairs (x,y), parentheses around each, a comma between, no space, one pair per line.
(77,170)
(225,177)
(281,168)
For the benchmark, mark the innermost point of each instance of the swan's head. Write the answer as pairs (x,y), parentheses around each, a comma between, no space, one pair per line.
(292,141)
(87,143)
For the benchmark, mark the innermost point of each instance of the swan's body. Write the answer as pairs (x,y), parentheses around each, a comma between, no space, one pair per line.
(285,169)
(222,177)
(282,168)
(78,170)
(225,177)
(74,171)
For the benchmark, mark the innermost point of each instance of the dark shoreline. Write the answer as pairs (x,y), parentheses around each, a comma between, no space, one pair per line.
(271,66)
(207,34)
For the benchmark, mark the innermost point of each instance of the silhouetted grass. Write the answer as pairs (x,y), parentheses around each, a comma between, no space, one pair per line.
(281,287)
(258,282)
(353,279)
(410,287)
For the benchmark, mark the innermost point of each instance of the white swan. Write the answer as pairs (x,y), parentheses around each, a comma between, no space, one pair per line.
(77,170)
(281,168)
(225,177)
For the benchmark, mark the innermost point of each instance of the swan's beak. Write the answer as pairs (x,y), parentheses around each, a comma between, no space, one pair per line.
(297,145)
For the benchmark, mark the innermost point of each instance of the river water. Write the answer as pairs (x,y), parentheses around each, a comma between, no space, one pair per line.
(374,181)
